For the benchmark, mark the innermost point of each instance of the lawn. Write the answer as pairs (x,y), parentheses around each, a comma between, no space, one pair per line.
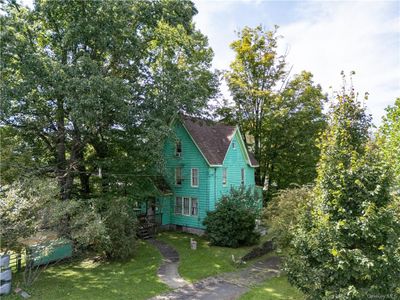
(277,288)
(85,279)
(206,260)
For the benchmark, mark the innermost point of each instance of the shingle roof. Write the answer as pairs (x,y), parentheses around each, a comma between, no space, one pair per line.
(213,139)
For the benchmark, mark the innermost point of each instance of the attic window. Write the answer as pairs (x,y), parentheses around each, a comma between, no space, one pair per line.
(233,145)
(224,176)
(178,148)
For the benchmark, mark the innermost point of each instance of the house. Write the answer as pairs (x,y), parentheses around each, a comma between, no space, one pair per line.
(202,162)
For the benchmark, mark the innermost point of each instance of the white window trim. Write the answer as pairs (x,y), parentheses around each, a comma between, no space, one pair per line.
(189,206)
(225,172)
(182,212)
(191,177)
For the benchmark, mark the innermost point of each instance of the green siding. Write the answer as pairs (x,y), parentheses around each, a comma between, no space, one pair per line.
(210,187)
(190,158)
(235,160)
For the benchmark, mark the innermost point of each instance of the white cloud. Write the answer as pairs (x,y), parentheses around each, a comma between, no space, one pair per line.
(323,37)
(347,36)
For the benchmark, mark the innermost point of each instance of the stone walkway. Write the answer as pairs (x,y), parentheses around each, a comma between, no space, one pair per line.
(227,286)
(168,272)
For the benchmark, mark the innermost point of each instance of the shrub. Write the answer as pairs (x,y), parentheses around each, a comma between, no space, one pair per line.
(232,223)
(20,207)
(121,225)
(283,212)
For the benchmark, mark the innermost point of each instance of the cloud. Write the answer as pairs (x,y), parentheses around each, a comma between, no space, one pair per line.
(359,36)
(323,37)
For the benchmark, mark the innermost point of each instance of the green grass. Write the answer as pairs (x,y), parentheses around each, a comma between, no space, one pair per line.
(206,260)
(85,279)
(277,288)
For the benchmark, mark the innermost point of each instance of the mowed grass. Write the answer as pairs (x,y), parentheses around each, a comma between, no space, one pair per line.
(206,260)
(86,279)
(277,288)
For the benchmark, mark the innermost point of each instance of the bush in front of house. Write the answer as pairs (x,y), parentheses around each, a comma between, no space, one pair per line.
(233,222)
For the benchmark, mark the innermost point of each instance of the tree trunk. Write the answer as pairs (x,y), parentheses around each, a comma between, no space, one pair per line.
(61,171)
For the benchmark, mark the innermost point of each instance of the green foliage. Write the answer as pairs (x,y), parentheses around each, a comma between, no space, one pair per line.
(389,139)
(232,223)
(349,246)
(21,205)
(93,85)
(121,227)
(282,214)
(281,117)
(106,226)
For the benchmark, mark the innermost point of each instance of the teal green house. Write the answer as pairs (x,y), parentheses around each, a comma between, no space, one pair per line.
(202,162)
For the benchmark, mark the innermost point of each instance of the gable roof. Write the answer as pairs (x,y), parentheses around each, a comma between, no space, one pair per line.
(212,139)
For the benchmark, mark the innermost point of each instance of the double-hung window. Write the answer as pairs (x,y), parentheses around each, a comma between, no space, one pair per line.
(224,176)
(178,176)
(178,205)
(186,205)
(195,177)
(193,206)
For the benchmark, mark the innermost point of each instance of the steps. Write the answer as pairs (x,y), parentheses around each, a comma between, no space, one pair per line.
(144,233)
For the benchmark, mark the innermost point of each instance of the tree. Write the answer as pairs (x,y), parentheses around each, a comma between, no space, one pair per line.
(348,247)
(389,138)
(89,81)
(281,118)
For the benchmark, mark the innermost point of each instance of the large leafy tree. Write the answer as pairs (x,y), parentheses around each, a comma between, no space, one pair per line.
(280,117)
(96,83)
(349,246)
(389,138)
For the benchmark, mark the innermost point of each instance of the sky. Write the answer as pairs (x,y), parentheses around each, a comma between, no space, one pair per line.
(323,37)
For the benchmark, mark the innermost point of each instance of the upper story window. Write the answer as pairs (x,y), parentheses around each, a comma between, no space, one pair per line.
(178,176)
(233,145)
(195,177)
(224,176)
(242,176)
(178,148)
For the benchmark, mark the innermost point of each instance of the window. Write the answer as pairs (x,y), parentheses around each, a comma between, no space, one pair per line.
(242,176)
(195,177)
(186,203)
(178,176)
(178,148)
(186,206)
(178,205)
(194,207)
(224,176)
(233,145)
